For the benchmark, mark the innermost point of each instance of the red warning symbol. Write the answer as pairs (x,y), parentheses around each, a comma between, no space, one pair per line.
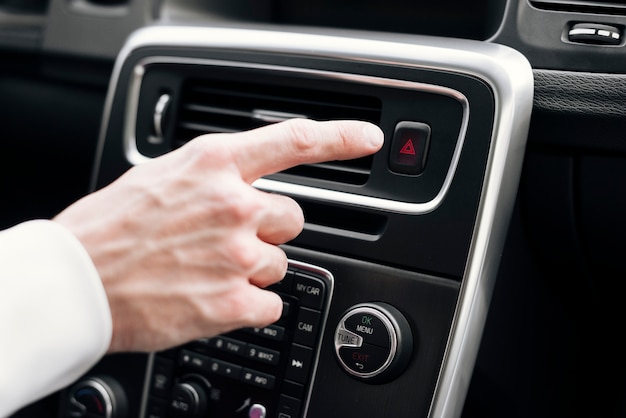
(408,148)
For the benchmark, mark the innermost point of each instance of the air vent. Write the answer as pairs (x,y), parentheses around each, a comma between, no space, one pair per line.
(227,106)
(583,6)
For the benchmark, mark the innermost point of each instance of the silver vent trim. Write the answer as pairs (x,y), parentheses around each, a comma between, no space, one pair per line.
(135,157)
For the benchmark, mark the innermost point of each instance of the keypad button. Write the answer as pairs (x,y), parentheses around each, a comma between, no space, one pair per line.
(272,332)
(285,285)
(228,345)
(194,360)
(293,389)
(409,148)
(262,380)
(299,363)
(370,327)
(307,327)
(161,381)
(288,407)
(365,359)
(262,354)
(286,309)
(310,290)
(224,368)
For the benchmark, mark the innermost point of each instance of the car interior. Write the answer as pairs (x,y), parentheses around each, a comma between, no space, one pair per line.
(470,268)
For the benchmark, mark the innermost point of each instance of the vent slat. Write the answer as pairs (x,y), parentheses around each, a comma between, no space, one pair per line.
(288,102)
(205,129)
(212,106)
(217,110)
(337,165)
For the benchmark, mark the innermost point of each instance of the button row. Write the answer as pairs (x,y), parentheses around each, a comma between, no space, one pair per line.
(222,368)
(243,349)
(272,332)
(297,368)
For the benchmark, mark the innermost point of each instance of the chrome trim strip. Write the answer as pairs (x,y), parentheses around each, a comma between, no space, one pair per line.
(108,398)
(297,190)
(159,111)
(508,74)
(319,271)
(512,83)
(145,393)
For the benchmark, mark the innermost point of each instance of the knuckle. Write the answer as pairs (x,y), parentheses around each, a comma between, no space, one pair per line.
(239,308)
(234,205)
(208,151)
(297,214)
(303,134)
(243,254)
(345,136)
(291,215)
(242,207)
(282,263)
(241,311)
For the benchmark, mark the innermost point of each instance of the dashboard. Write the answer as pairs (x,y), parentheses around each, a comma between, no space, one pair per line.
(471,268)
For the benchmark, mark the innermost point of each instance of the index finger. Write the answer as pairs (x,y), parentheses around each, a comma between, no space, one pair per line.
(283,145)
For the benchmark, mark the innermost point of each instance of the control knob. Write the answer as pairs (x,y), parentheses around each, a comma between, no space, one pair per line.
(188,400)
(373,342)
(96,397)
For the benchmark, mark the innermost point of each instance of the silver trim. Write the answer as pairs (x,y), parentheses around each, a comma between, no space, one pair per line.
(145,393)
(272,116)
(135,157)
(192,390)
(101,387)
(159,111)
(509,76)
(330,279)
(582,31)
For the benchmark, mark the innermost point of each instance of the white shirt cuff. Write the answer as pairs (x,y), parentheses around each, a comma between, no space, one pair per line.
(55,321)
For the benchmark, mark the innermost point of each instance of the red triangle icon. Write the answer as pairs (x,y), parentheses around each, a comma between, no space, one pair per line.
(408,148)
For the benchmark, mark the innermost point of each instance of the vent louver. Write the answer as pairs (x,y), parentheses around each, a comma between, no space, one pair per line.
(227,106)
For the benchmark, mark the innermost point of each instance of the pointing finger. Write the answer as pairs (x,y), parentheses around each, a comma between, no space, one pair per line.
(299,141)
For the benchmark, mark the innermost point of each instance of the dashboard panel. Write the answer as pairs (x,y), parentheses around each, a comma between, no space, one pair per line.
(419,253)
(476,116)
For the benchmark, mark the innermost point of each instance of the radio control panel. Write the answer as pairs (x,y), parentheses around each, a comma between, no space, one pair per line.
(252,372)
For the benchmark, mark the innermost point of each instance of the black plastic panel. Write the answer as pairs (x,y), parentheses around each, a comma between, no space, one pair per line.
(428,304)
(540,35)
(452,18)
(48,138)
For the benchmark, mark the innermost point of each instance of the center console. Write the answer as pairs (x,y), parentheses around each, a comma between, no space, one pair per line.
(389,284)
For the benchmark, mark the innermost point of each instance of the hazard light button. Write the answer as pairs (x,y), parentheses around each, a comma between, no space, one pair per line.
(409,148)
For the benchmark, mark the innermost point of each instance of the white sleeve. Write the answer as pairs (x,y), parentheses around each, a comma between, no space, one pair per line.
(55,322)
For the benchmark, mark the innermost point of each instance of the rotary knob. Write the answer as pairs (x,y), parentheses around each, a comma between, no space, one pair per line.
(96,397)
(188,400)
(373,342)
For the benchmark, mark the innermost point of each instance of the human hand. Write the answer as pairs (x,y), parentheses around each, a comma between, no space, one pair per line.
(184,244)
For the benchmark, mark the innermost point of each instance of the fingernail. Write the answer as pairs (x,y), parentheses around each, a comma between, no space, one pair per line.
(374,135)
